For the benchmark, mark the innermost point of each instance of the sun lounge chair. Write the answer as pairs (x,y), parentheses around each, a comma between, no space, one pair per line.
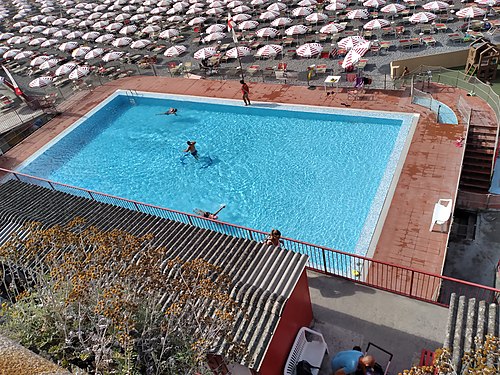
(441,213)
(310,346)
(253,69)
(359,85)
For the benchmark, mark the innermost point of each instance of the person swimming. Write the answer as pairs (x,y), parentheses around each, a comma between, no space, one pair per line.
(209,215)
(192,149)
(171,111)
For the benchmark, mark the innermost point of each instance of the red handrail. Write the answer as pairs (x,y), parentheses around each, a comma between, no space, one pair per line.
(391,277)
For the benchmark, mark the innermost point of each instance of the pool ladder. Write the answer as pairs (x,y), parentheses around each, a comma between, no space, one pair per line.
(131,94)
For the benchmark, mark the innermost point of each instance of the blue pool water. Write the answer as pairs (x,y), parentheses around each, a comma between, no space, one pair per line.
(317,177)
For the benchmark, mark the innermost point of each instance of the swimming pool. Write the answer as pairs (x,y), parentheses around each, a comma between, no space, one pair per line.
(316,174)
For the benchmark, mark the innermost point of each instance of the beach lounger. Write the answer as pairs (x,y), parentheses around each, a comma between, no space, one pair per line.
(441,213)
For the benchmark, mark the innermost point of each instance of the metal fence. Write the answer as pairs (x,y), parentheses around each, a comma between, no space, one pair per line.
(383,275)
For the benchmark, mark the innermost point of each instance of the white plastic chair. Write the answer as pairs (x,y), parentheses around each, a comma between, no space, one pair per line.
(442,213)
(309,345)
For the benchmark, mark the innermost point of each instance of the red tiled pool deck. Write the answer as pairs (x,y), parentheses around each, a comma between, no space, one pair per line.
(431,170)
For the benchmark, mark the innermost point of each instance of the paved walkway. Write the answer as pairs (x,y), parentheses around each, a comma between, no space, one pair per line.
(349,314)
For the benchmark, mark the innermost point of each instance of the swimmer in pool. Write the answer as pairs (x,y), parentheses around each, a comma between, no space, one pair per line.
(192,149)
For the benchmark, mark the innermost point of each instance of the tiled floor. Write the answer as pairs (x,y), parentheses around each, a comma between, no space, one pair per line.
(431,170)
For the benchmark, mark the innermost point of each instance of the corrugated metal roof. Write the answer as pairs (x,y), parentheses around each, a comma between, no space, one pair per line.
(263,276)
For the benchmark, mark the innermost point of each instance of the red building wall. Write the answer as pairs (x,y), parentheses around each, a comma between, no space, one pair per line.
(297,313)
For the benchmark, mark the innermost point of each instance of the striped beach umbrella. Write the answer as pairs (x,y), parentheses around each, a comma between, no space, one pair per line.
(357,14)
(301,12)
(197,21)
(141,43)
(61,33)
(213,28)
(100,25)
(374,3)
(68,46)
(309,49)
(24,55)
(278,7)
(332,28)
(92,35)
(175,19)
(79,72)
(236,52)
(112,56)
(74,35)
(266,32)
(241,9)
(214,11)
(316,17)
(169,33)
(422,17)
(268,16)
(49,64)
(296,30)
(95,53)
(241,17)
(49,43)
(106,38)
(38,60)
(392,8)
(214,36)
(154,19)
(65,69)
(436,5)
(11,53)
(138,17)
(5,36)
(115,26)
(376,24)
(38,29)
(490,3)
(350,42)
(41,82)
(205,53)
(37,41)
(351,58)
(248,25)
(470,12)
(121,42)
(269,50)
(336,5)
(281,22)
(307,3)
(80,51)
(151,29)
(175,51)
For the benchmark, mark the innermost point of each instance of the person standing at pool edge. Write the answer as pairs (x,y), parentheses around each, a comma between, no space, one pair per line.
(245,90)
(192,149)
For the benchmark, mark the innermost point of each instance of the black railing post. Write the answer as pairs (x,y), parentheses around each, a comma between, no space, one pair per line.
(51,186)
(324,259)
(91,196)
(16,176)
(250,233)
(136,206)
(189,219)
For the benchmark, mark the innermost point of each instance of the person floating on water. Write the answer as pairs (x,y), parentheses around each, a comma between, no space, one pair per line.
(192,149)
(171,111)
(209,215)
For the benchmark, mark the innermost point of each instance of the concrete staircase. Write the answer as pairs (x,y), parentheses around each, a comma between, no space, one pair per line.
(468,319)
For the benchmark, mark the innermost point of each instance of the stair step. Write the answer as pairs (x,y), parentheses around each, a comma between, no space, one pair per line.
(488,131)
(474,171)
(471,182)
(481,145)
(478,163)
(473,189)
(473,156)
(484,125)
(479,151)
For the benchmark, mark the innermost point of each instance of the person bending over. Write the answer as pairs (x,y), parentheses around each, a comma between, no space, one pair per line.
(192,149)
(350,362)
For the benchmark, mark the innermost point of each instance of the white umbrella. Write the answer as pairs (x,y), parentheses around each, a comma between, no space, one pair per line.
(214,11)
(241,17)
(301,12)
(470,12)
(79,72)
(96,52)
(37,29)
(196,21)
(357,13)
(50,30)
(296,30)
(127,30)
(94,16)
(269,15)
(74,35)
(248,25)
(122,17)
(175,51)
(105,38)
(214,36)
(235,52)
(374,3)
(24,55)
(26,29)
(11,53)
(307,3)
(108,15)
(19,40)
(155,19)
(80,51)
(376,24)
(309,50)
(40,82)
(48,19)
(100,25)
(316,17)
(267,32)
(355,54)
(46,65)
(214,28)
(111,56)
(61,33)
(68,46)
(436,5)
(150,29)
(49,43)
(277,7)
(258,2)
(422,17)
(37,41)
(138,17)
(233,4)
(115,26)
(332,28)
(241,9)
(5,36)
(350,42)
(92,35)
(169,33)
(121,42)
(141,43)
(59,21)
(490,3)
(65,69)
(269,50)
(336,5)
(194,11)
(205,53)
(392,8)
(143,9)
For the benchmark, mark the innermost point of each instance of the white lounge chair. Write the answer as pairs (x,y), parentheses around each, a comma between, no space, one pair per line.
(442,213)
(309,345)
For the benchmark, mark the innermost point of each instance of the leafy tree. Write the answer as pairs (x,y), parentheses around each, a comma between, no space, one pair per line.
(112,303)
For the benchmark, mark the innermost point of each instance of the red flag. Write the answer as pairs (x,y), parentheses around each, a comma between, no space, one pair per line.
(230,27)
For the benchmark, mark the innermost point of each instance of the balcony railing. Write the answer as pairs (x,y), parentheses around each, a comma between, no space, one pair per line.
(393,278)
